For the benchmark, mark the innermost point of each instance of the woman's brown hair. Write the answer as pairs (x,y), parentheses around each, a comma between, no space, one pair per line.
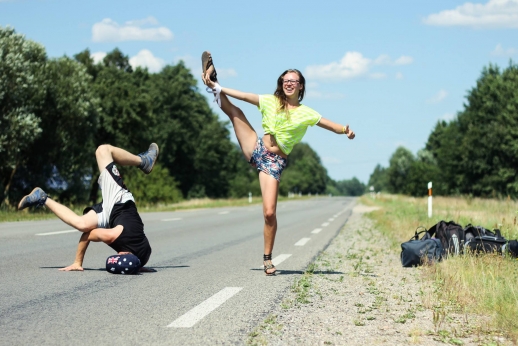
(279,92)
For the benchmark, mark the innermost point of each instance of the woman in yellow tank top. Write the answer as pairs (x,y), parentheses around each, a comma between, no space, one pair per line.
(285,121)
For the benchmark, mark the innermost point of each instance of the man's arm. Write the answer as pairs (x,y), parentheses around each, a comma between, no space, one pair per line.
(80,254)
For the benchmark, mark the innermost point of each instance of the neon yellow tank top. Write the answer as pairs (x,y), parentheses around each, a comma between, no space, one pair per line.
(287,131)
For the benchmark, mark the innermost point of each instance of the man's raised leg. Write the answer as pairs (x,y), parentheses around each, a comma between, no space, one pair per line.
(106,154)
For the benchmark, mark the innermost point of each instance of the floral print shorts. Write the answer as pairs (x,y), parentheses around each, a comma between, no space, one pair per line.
(266,161)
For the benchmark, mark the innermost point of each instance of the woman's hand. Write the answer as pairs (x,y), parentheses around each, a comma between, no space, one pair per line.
(348,132)
(206,80)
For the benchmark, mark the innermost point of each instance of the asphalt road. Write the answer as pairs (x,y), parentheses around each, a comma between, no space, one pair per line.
(208,288)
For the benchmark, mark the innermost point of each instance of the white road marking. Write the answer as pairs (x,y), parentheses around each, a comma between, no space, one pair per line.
(316,230)
(279,259)
(173,219)
(302,242)
(223,212)
(198,312)
(331,219)
(325,224)
(58,232)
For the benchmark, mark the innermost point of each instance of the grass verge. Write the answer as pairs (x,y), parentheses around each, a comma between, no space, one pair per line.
(485,286)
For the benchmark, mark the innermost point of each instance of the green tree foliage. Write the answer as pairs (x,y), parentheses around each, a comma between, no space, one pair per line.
(158,187)
(378,179)
(352,187)
(474,154)
(398,170)
(22,64)
(304,172)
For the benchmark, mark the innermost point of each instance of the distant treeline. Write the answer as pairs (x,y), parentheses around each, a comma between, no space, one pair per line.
(475,154)
(55,112)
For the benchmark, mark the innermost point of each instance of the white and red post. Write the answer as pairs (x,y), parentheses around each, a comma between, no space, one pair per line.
(430,199)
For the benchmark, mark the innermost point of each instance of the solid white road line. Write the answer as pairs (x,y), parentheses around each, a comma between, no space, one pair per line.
(197,313)
(223,212)
(58,232)
(173,219)
(302,242)
(325,224)
(316,230)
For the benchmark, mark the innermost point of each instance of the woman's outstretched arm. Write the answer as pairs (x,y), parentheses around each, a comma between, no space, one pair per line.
(247,97)
(336,128)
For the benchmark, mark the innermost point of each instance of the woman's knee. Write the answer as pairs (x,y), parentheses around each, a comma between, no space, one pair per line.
(270,216)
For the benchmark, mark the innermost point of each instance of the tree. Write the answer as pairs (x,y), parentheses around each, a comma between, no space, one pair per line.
(21,93)
(398,170)
(379,179)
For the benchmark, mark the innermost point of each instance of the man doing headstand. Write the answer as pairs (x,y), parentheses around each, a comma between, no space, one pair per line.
(115,221)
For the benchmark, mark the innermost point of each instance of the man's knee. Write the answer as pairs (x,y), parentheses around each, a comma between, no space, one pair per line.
(103,151)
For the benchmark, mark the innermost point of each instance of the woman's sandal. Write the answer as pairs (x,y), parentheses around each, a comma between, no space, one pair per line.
(208,65)
(268,258)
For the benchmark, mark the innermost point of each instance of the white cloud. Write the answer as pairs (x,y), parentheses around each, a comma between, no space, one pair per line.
(145,58)
(110,31)
(500,51)
(441,95)
(399,75)
(98,57)
(315,94)
(194,64)
(493,14)
(447,116)
(377,75)
(404,60)
(352,65)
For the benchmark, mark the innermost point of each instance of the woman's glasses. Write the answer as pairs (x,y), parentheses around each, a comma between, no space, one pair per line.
(290,81)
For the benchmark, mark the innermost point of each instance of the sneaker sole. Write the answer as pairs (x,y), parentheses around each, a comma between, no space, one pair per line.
(157,153)
(25,198)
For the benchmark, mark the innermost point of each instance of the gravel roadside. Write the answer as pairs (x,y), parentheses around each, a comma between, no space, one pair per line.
(357,293)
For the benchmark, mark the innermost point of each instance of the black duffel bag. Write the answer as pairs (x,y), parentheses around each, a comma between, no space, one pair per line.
(416,252)
(481,240)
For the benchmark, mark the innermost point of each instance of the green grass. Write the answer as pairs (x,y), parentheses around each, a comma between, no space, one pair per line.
(11,214)
(486,285)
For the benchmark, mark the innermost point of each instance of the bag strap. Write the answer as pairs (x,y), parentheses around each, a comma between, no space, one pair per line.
(416,235)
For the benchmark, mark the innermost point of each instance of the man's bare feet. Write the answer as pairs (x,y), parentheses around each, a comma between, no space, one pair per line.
(72,268)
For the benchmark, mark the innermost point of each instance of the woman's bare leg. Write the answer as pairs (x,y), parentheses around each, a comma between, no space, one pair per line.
(269,191)
(245,133)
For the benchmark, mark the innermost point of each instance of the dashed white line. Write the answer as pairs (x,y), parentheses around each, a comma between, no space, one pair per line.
(325,224)
(302,242)
(279,259)
(58,232)
(223,212)
(173,219)
(316,230)
(197,313)
(331,219)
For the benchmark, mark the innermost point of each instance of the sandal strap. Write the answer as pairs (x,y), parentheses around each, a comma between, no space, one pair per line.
(267,257)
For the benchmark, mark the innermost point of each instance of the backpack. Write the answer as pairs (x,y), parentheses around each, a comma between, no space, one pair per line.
(479,239)
(451,236)
(414,251)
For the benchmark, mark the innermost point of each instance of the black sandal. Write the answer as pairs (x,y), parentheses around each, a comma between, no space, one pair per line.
(206,62)
(268,266)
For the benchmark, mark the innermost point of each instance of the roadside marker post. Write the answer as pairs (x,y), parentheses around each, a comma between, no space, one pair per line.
(250,197)
(430,199)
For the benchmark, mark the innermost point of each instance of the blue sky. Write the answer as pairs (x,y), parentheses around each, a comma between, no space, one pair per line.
(389,69)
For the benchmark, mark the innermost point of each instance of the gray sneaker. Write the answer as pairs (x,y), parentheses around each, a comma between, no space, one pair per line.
(36,198)
(149,158)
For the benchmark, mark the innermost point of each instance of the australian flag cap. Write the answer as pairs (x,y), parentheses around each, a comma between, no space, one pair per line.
(123,264)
